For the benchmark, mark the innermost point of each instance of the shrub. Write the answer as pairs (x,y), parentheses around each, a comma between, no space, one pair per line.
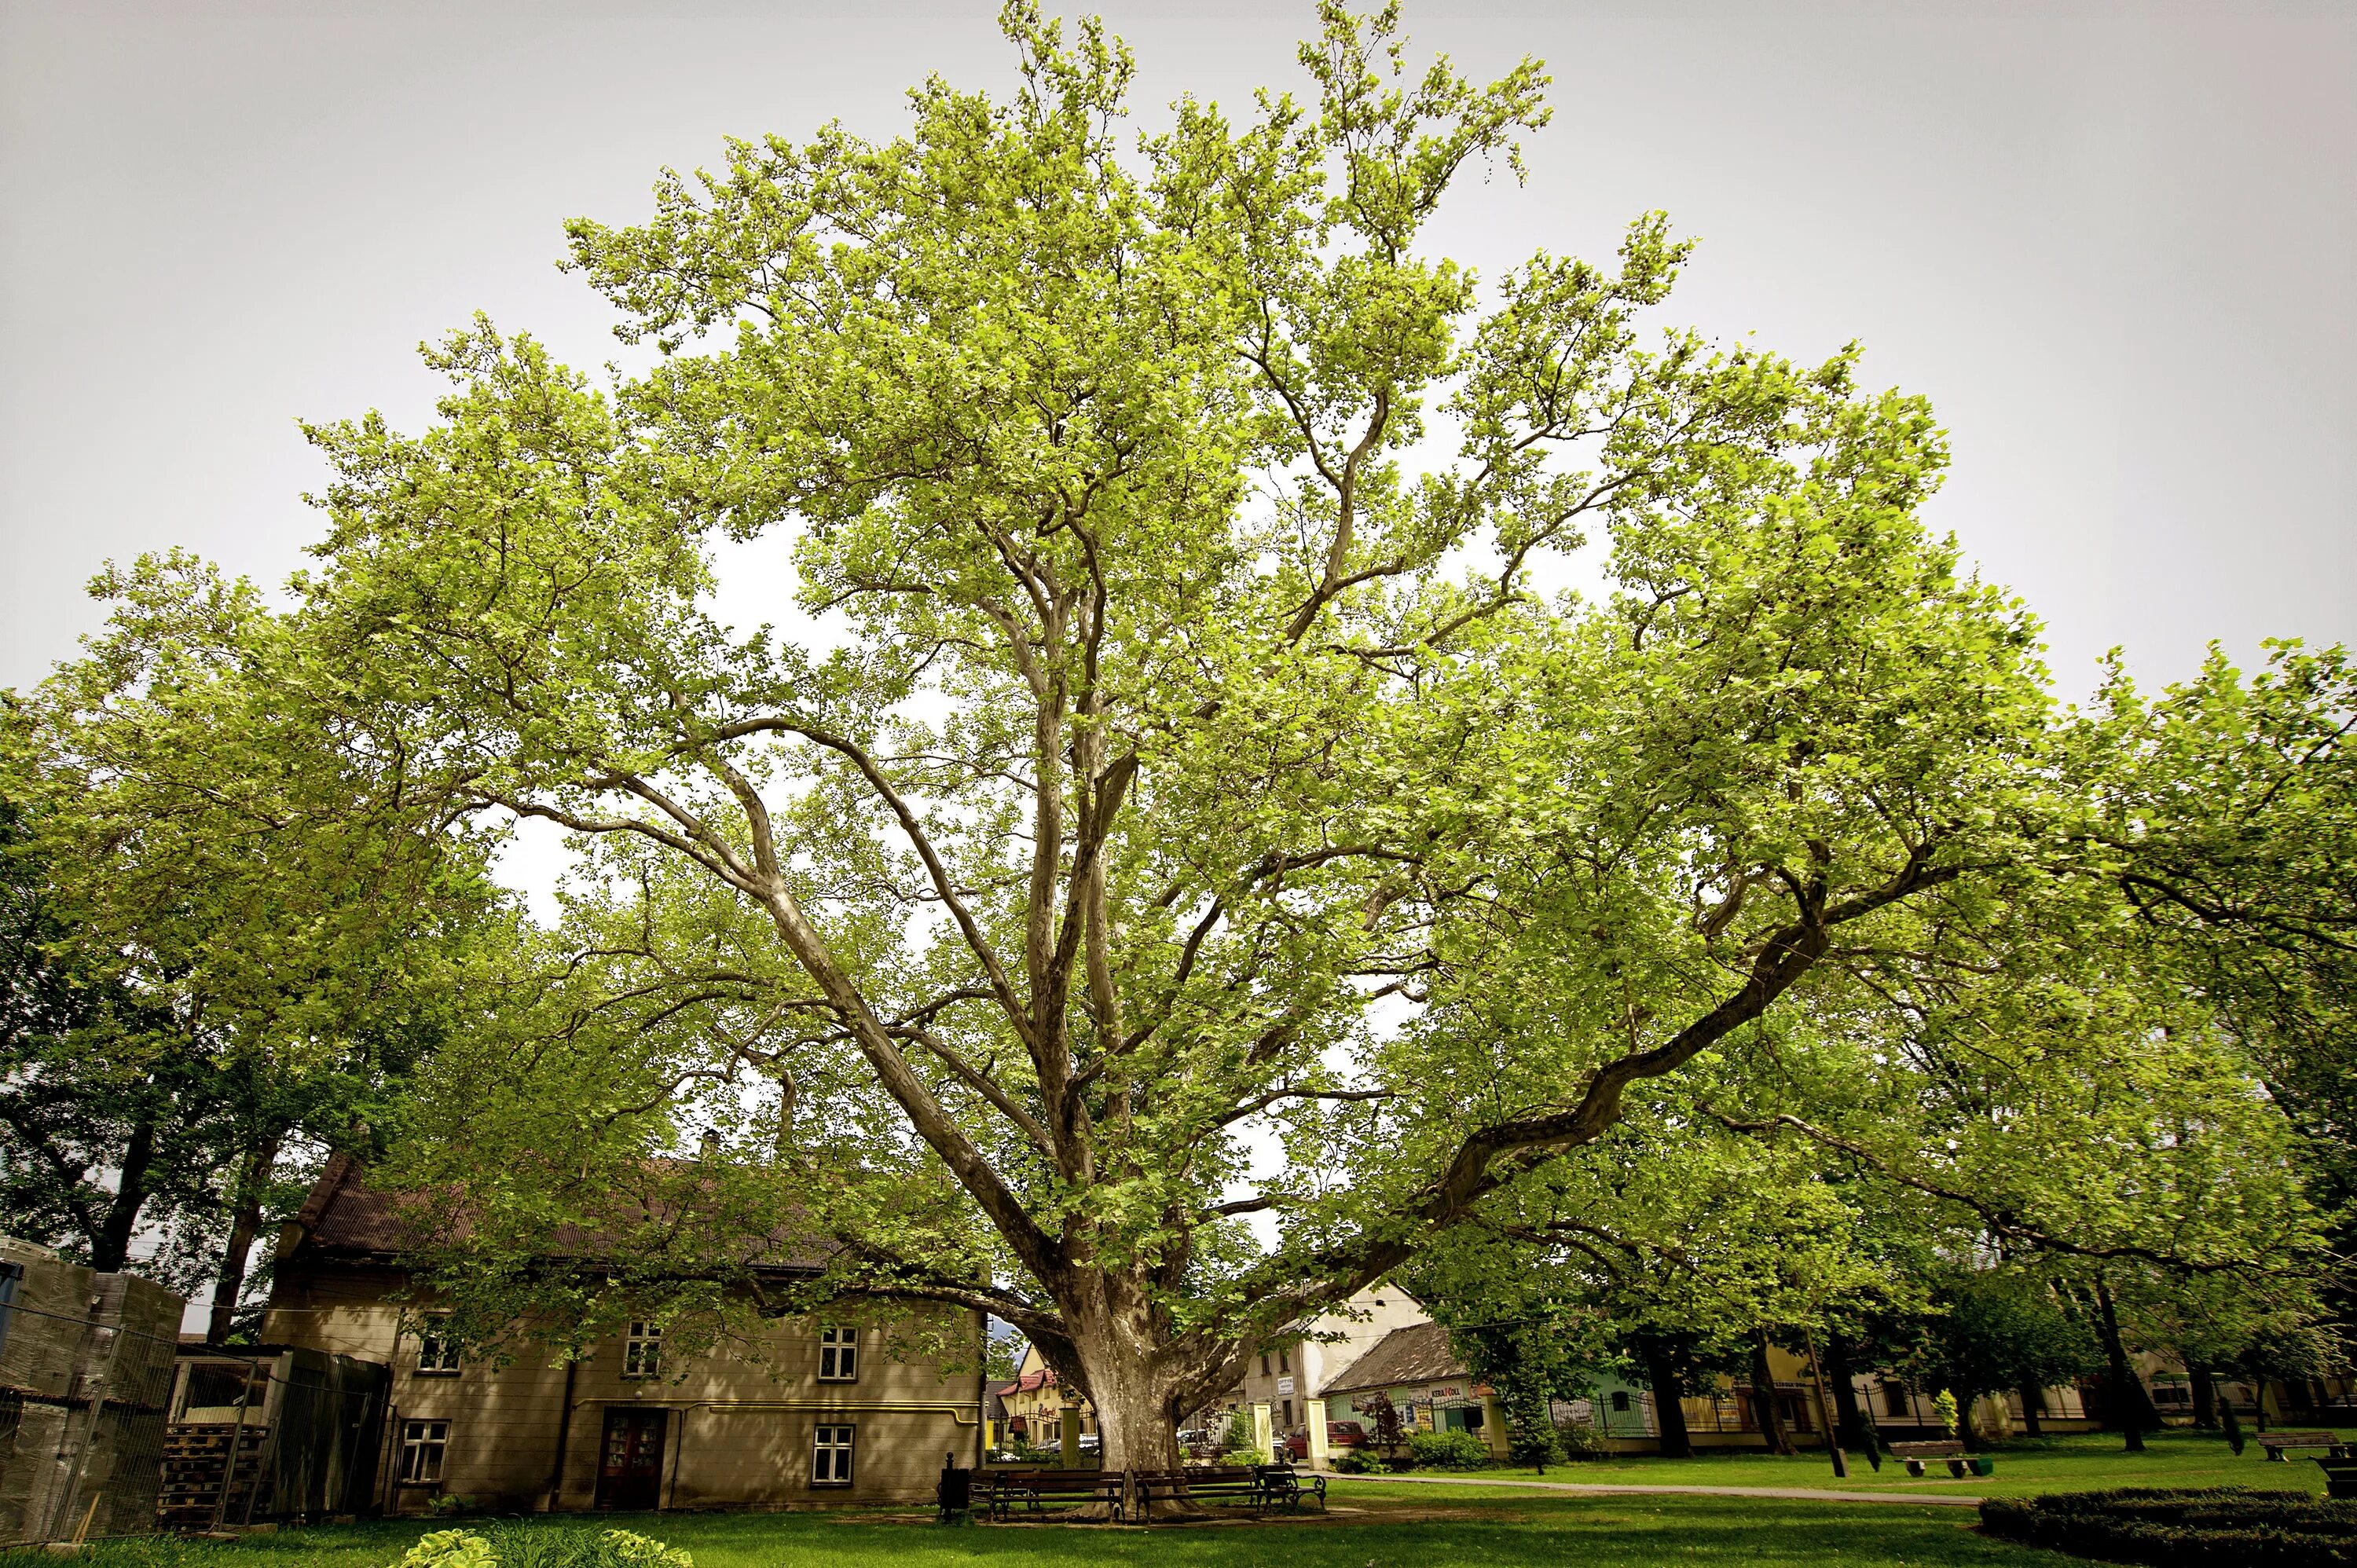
(1353,1462)
(1448,1451)
(1236,1444)
(449,1549)
(1582,1440)
(2183,1528)
(522,1545)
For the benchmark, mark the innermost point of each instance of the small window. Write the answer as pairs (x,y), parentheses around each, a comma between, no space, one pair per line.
(1288,1415)
(838,1362)
(642,1351)
(437,1353)
(1894,1400)
(1284,1360)
(1264,1363)
(1620,1399)
(830,1456)
(423,1444)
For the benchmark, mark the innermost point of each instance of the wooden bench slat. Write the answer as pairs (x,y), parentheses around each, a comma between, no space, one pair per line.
(1914,1454)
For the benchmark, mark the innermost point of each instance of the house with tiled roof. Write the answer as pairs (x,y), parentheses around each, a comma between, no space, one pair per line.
(819,1413)
(1426,1381)
(1298,1365)
(1030,1408)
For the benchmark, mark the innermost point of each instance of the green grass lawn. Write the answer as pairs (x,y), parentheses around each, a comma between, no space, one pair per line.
(1394,1530)
(1387,1524)
(2077,1463)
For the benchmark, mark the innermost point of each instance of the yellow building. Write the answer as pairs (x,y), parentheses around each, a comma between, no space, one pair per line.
(1032,1406)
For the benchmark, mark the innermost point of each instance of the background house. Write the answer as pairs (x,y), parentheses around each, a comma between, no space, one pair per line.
(1300,1364)
(1031,1406)
(824,1416)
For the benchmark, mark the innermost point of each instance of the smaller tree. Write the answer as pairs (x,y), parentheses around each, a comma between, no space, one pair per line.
(1390,1432)
(1530,1362)
(1994,1330)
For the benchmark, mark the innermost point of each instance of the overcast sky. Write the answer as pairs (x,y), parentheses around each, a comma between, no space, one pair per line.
(2113,243)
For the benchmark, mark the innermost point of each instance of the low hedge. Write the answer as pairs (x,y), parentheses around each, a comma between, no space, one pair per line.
(1448,1451)
(2184,1528)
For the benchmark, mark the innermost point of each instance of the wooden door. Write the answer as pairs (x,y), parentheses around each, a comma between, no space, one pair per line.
(630,1461)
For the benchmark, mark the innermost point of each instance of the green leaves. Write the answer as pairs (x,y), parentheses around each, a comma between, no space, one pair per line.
(1171,757)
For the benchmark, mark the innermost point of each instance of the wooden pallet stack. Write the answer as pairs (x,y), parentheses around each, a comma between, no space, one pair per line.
(195,1459)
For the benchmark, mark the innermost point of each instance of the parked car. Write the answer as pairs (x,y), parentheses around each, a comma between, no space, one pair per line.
(1338,1435)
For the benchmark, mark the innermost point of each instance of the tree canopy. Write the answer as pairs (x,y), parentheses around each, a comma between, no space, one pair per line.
(1175,735)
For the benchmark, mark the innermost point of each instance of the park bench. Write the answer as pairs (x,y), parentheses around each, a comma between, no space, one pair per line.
(1915,1454)
(2274,1443)
(1033,1490)
(1284,1484)
(2340,1468)
(1200,1483)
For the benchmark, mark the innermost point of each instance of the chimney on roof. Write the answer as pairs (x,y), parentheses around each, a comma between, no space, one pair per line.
(711,1145)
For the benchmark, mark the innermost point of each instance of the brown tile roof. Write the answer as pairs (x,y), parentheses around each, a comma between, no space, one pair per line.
(1416,1354)
(1045,1378)
(342,1214)
(345,1219)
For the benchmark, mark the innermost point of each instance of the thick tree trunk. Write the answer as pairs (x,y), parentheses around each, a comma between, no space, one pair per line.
(113,1247)
(2033,1405)
(1669,1407)
(1763,1397)
(245,1219)
(2205,1396)
(1849,1424)
(1124,1366)
(2126,1402)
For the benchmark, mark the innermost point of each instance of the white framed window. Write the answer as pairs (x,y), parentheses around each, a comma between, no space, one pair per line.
(437,1353)
(642,1351)
(830,1456)
(838,1356)
(423,1444)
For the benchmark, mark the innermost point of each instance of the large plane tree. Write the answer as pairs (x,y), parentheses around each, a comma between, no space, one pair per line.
(1179,736)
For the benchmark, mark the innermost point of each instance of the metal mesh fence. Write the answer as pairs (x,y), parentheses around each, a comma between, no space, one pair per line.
(84,1435)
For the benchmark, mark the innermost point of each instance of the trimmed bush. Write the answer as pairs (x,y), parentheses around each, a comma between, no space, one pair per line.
(1354,1461)
(2184,1528)
(1448,1451)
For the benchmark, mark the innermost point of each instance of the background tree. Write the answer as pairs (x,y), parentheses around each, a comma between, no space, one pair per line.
(1998,1330)
(230,935)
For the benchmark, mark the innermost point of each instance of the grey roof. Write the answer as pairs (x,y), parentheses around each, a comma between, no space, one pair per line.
(1416,1354)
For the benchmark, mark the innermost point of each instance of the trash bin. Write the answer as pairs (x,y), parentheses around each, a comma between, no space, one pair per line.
(955,1496)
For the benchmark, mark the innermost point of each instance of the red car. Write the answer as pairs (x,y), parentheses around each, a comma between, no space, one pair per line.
(1338,1435)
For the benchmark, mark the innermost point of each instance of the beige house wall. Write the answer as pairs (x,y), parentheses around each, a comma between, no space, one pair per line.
(737,1434)
(1336,1340)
